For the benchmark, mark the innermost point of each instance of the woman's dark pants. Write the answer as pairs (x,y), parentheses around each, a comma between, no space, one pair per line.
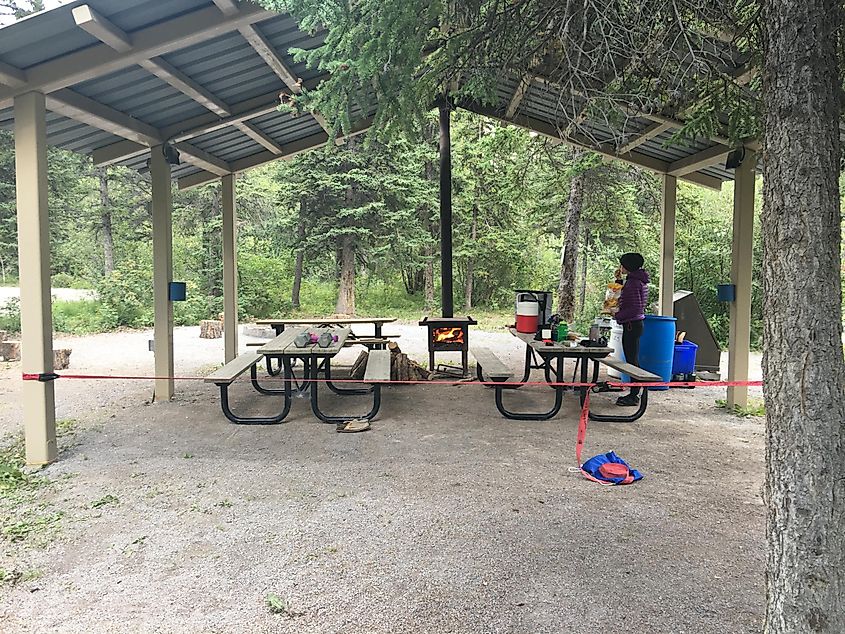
(631,333)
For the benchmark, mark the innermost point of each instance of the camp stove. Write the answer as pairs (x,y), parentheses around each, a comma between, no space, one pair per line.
(448,334)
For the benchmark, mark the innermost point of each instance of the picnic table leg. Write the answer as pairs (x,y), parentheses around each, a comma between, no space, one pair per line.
(273,371)
(257,420)
(253,377)
(315,405)
(378,330)
(611,418)
(533,415)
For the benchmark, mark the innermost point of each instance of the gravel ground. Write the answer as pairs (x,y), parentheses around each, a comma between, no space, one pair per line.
(443,518)
(63,294)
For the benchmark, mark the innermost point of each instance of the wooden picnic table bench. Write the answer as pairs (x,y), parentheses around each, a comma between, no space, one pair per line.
(316,360)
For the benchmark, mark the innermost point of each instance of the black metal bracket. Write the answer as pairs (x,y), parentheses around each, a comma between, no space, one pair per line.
(46,377)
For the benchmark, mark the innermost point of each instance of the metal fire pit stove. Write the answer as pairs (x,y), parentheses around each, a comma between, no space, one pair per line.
(448,334)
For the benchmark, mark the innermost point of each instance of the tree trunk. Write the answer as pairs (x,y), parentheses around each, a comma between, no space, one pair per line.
(346,291)
(470,261)
(429,283)
(803,362)
(106,222)
(582,299)
(569,250)
(213,241)
(300,258)
(431,175)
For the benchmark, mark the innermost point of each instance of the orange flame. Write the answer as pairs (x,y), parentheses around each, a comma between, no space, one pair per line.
(448,335)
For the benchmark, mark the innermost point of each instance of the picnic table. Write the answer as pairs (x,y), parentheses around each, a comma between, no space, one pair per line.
(279,325)
(316,361)
(550,358)
(377,341)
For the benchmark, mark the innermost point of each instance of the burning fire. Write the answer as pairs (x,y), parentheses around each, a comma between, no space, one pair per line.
(448,335)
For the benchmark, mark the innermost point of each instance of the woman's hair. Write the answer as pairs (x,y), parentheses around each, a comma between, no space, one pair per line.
(632,261)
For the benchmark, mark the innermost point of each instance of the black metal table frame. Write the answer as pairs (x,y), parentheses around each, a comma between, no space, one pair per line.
(313,365)
(545,363)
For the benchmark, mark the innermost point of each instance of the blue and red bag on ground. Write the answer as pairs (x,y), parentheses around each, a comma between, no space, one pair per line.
(606,468)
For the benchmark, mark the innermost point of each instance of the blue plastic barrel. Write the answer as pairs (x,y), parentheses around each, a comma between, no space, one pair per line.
(657,347)
(684,359)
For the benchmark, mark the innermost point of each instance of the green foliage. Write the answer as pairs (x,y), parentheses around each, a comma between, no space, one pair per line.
(125,296)
(10,316)
(80,318)
(754,409)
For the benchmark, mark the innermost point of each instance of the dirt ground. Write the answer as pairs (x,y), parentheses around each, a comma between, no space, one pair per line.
(443,518)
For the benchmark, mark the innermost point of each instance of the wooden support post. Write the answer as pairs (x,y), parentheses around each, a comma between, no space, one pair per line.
(446,294)
(162,272)
(230,268)
(39,402)
(667,245)
(739,347)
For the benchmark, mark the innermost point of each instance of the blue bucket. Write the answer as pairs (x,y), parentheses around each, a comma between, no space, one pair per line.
(657,348)
(684,359)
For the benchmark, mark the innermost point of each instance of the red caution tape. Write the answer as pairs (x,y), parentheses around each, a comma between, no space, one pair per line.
(115,377)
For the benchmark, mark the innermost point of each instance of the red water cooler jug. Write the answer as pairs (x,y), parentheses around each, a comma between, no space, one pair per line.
(527,317)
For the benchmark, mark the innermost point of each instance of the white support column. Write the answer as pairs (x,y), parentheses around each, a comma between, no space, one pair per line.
(667,244)
(162,272)
(230,268)
(39,403)
(741,262)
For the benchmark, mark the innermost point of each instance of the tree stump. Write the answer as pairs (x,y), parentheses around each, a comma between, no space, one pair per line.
(61,359)
(10,351)
(211,329)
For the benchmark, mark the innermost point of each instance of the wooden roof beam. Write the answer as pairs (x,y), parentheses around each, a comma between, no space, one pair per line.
(290,150)
(253,132)
(277,63)
(110,34)
(228,7)
(701,160)
(184,84)
(201,158)
(654,130)
(11,76)
(101,28)
(95,61)
(634,158)
(74,106)
(193,127)
(519,95)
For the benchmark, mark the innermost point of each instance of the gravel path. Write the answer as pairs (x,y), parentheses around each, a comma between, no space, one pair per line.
(63,294)
(443,518)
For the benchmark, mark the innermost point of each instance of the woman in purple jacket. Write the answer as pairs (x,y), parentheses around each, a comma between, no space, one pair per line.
(631,314)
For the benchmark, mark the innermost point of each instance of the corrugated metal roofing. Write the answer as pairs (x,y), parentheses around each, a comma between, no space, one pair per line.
(230,69)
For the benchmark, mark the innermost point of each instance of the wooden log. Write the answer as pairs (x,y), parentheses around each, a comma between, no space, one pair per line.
(360,366)
(10,351)
(211,329)
(61,358)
